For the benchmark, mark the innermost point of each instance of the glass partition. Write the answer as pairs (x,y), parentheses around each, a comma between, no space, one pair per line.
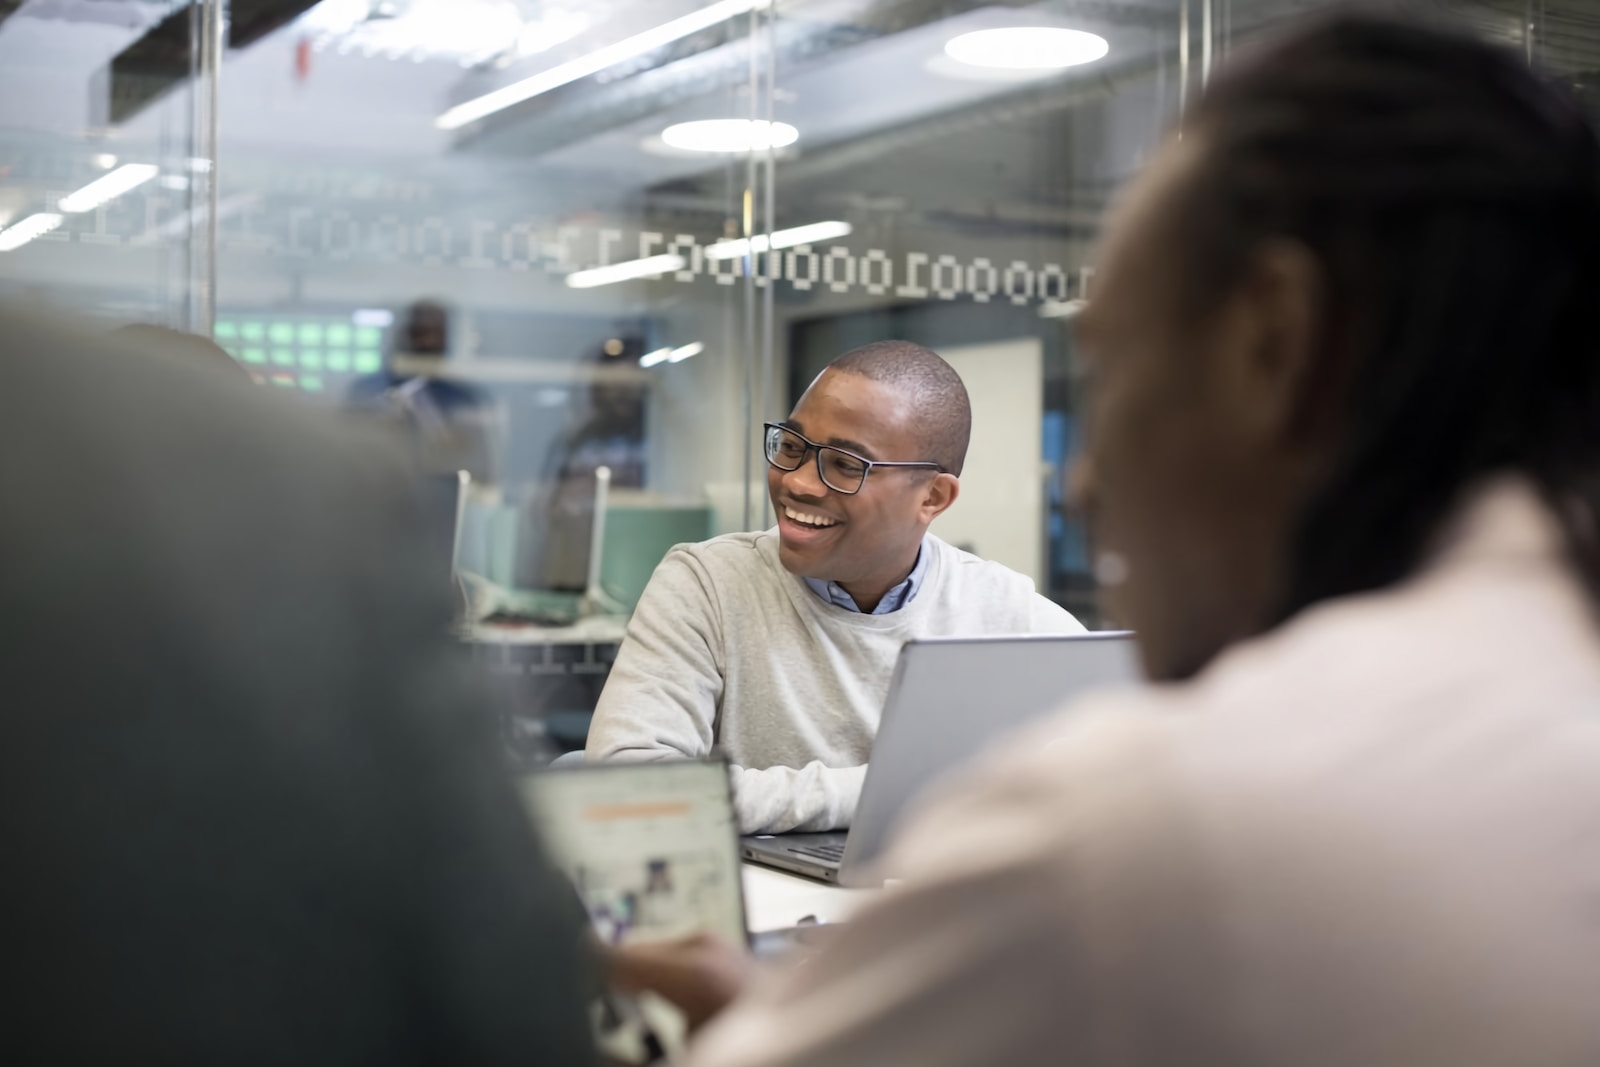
(618,234)
(107,157)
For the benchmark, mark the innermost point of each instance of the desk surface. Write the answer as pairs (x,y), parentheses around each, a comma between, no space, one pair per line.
(591,629)
(774,900)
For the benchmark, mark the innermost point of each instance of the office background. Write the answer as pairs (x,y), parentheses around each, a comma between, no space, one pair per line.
(289,177)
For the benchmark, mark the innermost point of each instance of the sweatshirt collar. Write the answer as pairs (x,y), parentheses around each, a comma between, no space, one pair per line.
(895,599)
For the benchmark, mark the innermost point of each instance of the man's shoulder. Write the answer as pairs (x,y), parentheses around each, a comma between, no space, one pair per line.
(728,558)
(742,549)
(959,565)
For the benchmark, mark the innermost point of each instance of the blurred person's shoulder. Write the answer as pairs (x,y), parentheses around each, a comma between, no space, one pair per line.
(1331,823)
(1399,701)
(1494,614)
(458,392)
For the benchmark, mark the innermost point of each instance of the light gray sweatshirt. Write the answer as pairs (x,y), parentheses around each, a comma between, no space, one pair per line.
(727,649)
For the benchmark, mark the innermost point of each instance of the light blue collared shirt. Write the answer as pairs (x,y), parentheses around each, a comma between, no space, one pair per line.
(893,600)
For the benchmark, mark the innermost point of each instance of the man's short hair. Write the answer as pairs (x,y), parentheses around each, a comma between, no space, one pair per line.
(944,412)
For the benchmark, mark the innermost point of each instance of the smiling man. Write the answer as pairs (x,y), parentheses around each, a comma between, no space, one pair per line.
(777,647)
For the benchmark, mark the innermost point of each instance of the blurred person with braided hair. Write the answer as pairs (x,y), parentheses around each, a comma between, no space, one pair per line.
(1343,452)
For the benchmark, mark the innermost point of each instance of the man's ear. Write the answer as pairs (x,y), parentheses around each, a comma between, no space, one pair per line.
(1271,340)
(941,492)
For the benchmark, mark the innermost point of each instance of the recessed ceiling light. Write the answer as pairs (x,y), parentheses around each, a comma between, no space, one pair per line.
(1027,48)
(730,135)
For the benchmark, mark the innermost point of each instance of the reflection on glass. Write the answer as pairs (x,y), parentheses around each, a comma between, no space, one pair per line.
(404,202)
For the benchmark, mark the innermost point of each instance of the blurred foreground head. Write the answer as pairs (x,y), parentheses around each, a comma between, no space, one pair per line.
(1358,286)
(198,350)
(258,809)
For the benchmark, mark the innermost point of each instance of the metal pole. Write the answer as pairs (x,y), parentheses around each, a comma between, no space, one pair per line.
(187,154)
(211,62)
(1205,42)
(1183,58)
(747,227)
(769,325)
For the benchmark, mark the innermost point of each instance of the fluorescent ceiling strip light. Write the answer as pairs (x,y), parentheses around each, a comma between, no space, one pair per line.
(799,235)
(625,271)
(126,177)
(671,355)
(36,225)
(1062,309)
(563,73)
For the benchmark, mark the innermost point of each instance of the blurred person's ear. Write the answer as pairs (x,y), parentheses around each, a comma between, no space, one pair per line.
(1270,343)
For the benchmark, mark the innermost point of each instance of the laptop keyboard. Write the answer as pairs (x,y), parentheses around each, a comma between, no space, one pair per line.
(832,853)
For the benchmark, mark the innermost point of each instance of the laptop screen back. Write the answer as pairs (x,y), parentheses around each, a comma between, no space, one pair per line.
(952,698)
(650,847)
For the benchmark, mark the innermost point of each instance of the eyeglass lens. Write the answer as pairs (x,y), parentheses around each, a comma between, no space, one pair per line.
(840,471)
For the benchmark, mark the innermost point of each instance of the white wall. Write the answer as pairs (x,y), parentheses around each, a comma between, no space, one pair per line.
(1000,513)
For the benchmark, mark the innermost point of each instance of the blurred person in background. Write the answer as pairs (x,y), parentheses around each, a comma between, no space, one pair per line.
(449,419)
(253,809)
(1344,446)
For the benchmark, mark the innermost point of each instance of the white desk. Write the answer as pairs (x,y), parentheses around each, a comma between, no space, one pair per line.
(774,900)
(590,629)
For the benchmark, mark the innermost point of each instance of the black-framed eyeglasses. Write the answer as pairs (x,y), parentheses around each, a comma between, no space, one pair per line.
(842,471)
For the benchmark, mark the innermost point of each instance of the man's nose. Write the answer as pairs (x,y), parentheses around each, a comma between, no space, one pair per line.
(804,480)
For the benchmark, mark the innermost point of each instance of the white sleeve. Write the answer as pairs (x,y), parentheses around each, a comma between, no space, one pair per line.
(1048,617)
(660,698)
(815,797)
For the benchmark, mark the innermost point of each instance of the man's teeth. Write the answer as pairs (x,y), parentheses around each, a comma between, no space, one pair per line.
(808,519)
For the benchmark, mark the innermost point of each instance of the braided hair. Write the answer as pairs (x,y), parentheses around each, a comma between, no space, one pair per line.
(1452,200)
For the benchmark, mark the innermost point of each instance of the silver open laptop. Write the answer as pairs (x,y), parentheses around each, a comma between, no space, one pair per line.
(949,699)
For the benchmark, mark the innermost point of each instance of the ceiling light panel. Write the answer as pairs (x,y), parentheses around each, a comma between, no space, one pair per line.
(1027,48)
(730,135)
